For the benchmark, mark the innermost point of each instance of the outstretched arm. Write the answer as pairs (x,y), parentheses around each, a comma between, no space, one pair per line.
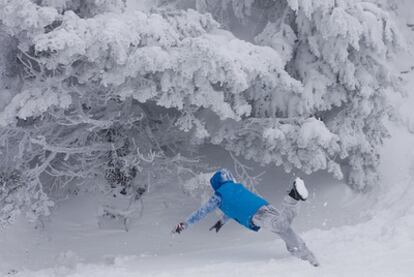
(208,207)
(196,216)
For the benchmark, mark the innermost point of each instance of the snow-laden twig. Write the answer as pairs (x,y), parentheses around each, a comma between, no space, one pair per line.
(242,172)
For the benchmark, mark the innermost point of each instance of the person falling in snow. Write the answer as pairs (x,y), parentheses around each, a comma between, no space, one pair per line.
(250,210)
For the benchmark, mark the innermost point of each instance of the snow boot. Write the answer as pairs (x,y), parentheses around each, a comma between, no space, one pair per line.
(299,191)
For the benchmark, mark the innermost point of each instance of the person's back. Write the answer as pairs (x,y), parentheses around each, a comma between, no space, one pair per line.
(237,202)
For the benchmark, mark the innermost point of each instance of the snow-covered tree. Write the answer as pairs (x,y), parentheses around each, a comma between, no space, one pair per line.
(339,51)
(116,96)
(95,94)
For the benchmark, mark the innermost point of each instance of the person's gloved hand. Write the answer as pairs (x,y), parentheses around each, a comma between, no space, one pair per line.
(217,226)
(179,228)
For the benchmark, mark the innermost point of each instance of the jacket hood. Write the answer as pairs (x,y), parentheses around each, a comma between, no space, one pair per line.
(220,177)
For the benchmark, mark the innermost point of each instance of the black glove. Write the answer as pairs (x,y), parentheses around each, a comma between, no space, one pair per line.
(179,227)
(217,226)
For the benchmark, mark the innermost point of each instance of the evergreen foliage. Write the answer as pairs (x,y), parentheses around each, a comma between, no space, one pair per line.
(91,91)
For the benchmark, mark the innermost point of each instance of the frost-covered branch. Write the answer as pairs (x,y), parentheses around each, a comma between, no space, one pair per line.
(242,172)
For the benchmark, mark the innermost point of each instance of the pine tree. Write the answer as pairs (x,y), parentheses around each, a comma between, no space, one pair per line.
(93,93)
(340,52)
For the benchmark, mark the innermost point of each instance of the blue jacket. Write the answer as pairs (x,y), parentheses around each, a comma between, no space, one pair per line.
(233,199)
(237,202)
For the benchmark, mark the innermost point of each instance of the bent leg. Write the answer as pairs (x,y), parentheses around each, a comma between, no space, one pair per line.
(279,221)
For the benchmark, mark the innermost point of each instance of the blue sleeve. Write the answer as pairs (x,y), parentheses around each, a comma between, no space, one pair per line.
(208,207)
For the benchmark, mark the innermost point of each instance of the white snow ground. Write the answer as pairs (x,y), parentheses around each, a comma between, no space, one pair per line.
(352,235)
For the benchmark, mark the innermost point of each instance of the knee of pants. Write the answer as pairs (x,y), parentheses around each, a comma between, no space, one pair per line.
(280,226)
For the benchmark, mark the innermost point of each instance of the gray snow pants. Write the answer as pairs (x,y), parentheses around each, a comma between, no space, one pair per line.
(279,221)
